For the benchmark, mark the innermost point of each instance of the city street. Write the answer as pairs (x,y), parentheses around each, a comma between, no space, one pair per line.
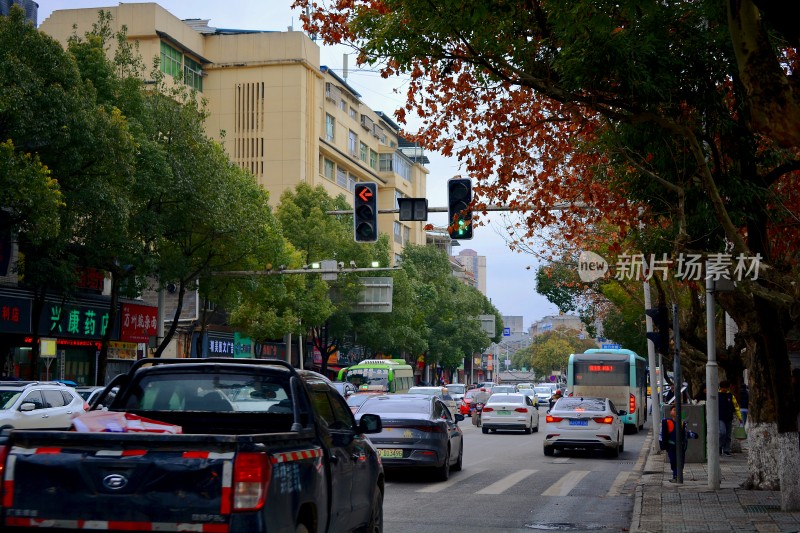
(507,485)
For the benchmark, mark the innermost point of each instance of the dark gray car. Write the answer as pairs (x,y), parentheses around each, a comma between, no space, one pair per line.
(418,431)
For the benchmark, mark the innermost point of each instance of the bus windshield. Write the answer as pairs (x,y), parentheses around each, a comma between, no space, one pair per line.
(608,373)
(368,378)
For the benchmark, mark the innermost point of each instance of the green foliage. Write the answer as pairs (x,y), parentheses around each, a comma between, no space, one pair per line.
(550,351)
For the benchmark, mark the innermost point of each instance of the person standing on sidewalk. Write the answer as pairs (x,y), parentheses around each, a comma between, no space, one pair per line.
(667,440)
(728,408)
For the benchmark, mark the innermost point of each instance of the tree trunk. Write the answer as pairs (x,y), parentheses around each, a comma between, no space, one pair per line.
(775,454)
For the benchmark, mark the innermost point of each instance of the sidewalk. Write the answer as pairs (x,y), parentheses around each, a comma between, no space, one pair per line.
(661,506)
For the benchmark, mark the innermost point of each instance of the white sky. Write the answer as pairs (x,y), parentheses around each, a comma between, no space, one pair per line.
(510,283)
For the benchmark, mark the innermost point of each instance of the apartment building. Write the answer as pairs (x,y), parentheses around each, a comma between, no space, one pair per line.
(274,108)
(476,265)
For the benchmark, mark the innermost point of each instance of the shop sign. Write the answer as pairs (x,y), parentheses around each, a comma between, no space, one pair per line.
(219,344)
(15,315)
(138,322)
(271,350)
(91,279)
(122,350)
(73,320)
(242,346)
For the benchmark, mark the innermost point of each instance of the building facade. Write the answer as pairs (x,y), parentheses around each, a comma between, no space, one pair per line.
(276,110)
(476,265)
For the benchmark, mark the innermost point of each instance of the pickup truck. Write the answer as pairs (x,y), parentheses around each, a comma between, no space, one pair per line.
(259,447)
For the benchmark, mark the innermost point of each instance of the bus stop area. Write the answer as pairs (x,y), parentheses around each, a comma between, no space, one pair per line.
(691,506)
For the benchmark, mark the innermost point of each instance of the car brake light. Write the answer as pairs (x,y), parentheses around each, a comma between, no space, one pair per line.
(487,409)
(604,419)
(251,475)
(429,429)
(632,403)
(521,410)
(86,406)
(551,418)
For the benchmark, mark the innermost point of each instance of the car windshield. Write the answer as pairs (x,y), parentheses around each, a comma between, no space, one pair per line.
(8,397)
(456,389)
(543,390)
(388,404)
(503,389)
(506,398)
(580,404)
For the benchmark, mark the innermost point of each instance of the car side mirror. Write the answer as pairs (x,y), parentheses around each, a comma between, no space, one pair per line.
(622,412)
(370,423)
(27,407)
(459,418)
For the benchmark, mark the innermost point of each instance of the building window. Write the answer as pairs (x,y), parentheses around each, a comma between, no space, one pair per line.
(353,143)
(171,60)
(406,234)
(193,74)
(398,233)
(373,159)
(330,127)
(385,163)
(342,105)
(363,152)
(328,169)
(351,183)
(341,177)
(353,113)
(402,166)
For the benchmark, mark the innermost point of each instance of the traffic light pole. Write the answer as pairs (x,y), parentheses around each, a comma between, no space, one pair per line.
(655,377)
(677,390)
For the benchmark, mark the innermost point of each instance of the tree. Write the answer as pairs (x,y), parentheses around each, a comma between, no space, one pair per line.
(657,116)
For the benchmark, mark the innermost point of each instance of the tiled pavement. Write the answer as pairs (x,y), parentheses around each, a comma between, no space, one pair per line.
(661,506)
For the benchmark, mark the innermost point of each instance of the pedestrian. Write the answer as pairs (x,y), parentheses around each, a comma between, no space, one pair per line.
(554,398)
(744,402)
(701,395)
(728,408)
(667,440)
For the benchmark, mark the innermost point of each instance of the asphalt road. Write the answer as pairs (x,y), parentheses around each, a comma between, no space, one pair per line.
(508,485)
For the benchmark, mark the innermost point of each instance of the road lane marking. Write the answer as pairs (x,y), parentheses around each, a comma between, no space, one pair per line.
(438,487)
(622,477)
(506,483)
(566,483)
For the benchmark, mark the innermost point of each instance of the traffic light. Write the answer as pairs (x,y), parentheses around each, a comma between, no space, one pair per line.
(459,198)
(660,333)
(365,212)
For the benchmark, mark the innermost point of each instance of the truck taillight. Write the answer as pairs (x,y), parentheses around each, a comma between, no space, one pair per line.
(251,475)
(5,486)
(632,404)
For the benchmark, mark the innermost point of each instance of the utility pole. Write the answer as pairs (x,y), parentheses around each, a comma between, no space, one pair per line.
(712,390)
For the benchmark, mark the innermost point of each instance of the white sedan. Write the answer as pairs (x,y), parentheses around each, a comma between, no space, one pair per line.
(586,424)
(510,411)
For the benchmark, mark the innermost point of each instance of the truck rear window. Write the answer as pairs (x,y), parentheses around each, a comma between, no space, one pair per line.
(208,392)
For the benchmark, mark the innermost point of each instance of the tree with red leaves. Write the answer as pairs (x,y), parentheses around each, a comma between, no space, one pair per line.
(674,125)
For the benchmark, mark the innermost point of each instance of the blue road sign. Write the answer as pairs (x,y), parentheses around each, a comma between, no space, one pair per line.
(506,332)
(611,347)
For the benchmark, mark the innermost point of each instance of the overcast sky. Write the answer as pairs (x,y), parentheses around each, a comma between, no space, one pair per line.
(510,280)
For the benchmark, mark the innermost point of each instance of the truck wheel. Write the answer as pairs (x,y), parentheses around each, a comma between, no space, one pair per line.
(443,472)
(376,514)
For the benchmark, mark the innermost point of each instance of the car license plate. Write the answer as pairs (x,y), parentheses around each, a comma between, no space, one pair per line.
(390,452)
(503,413)
(582,422)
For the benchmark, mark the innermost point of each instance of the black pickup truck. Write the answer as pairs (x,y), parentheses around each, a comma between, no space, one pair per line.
(262,448)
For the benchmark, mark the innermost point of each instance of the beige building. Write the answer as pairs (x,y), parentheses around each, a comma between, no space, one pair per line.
(275,109)
(476,266)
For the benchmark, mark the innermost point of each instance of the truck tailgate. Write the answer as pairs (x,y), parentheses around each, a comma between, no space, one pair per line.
(122,482)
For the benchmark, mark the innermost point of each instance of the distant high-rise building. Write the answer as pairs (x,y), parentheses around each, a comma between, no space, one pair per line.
(30,7)
(476,265)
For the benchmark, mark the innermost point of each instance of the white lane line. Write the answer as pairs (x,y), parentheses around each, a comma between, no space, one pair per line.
(438,487)
(566,483)
(622,477)
(506,483)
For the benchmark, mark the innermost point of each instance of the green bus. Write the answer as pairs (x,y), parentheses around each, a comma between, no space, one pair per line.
(387,375)
(619,375)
